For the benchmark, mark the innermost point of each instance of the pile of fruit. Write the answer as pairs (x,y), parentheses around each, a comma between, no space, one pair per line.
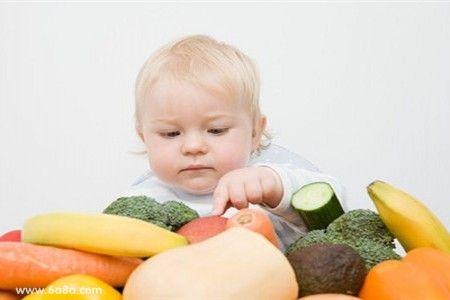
(141,249)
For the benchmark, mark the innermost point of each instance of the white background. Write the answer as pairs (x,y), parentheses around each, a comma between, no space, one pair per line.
(360,89)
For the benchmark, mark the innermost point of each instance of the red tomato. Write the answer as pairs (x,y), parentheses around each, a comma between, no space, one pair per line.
(11,236)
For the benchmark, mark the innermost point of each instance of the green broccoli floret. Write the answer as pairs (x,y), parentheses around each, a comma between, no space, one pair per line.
(178,214)
(373,252)
(161,224)
(311,238)
(170,215)
(360,224)
(360,229)
(138,207)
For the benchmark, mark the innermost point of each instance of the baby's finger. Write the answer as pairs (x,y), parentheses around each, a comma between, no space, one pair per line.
(254,192)
(221,199)
(269,187)
(237,195)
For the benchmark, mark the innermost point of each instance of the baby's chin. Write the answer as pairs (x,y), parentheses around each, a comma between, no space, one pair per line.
(197,187)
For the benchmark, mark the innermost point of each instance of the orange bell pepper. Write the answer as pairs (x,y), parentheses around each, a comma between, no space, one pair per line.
(424,273)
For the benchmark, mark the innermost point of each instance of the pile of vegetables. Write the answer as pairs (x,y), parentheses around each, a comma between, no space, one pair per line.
(166,250)
(363,235)
(108,247)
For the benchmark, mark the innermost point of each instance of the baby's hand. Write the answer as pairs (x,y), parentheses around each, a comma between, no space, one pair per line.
(240,187)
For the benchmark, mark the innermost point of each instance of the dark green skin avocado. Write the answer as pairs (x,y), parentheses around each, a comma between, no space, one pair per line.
(328,268)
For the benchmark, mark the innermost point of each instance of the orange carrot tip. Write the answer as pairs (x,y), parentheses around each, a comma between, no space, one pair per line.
(254,220)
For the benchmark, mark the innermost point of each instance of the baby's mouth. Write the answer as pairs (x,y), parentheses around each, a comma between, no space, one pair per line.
(194,168)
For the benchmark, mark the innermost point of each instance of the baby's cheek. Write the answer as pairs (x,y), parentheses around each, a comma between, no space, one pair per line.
(160,164)
(232,160)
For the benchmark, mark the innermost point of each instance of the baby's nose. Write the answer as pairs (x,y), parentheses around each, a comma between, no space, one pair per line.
(194,144)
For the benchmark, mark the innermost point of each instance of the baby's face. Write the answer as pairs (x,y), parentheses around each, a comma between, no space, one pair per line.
(193,138)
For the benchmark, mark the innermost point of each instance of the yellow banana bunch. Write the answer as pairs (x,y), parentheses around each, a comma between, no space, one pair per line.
(100,233)
(408,219)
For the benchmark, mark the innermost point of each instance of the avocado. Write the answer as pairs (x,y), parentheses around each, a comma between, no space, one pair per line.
(328,268)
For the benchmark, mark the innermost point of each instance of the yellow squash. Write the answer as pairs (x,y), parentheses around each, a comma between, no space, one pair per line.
(408,219)
(100,233)
(77,287)
(4,295)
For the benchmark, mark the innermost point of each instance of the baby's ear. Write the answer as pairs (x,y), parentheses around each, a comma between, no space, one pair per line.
(139,132)
(258,129)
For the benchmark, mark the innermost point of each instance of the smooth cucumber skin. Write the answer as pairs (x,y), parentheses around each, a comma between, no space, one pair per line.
(321,217)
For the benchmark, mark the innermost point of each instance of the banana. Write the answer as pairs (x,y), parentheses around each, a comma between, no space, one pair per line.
(100,233)
(408,219)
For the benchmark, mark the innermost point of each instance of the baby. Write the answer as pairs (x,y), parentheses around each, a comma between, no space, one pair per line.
(197,112)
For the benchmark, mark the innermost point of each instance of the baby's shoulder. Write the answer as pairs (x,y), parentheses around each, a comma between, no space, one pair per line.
(143,178)
(276,154)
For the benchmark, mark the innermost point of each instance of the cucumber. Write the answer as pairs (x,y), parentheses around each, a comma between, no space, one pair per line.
(317,204)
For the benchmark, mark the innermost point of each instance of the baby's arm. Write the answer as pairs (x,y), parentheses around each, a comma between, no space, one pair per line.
(293,172)
(269,185)
(293,178)
(275,197)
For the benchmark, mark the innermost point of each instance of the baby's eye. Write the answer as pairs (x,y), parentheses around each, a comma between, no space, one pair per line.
(217,131)
(170,134)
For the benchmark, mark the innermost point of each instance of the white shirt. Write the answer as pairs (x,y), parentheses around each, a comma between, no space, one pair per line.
(294,172)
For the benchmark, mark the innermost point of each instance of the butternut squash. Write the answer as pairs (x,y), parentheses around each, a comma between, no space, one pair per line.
(235,264)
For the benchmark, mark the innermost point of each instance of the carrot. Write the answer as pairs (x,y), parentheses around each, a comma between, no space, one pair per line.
(254,220)
(28,265)
(8,296)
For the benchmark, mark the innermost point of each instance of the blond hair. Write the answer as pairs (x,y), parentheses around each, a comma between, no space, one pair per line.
(205,62)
